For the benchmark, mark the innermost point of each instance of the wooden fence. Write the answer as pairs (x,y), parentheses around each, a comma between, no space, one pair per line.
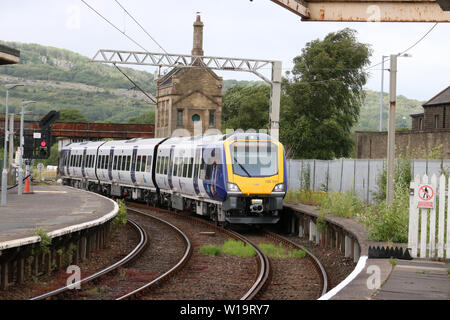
(429,229)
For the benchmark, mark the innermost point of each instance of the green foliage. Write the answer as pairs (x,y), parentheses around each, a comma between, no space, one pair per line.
(325,96)
(388,222)
(246,107)
(238,249)
(146,118)
(402,178)
(210,250)
(46,241)
(71,116)
(369,119)
(341,204)
(73,82)
(279,251)
(121,218)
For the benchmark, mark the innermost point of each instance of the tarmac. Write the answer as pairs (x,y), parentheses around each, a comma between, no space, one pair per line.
(53,208)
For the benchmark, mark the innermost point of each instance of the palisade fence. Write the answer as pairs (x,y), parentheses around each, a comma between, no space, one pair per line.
(359,175)
(429,229)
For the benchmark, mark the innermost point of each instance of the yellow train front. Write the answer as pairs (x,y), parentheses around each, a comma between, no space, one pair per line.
(256,179)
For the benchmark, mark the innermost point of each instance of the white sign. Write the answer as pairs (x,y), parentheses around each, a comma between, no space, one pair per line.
(426,197)
(40,166)
(37,135)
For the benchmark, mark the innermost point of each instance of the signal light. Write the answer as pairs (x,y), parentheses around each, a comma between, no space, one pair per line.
(43,144)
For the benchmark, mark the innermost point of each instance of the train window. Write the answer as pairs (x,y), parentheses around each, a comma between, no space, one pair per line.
(208,171)
(185,167)
(143,163)
(119,163)
(124,162)
(133,162)
(175,167)
(158,161)
(107,162)
(170,164)
(79,161)
(138,164)
(128,163)
(149,164)
(166,164)
(191,164)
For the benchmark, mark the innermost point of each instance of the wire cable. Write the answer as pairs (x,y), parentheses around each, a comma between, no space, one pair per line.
(109,22)
(143,29)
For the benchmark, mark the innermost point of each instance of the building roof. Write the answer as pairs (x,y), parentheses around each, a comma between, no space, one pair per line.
(442,97)
(9,55)
(414,115)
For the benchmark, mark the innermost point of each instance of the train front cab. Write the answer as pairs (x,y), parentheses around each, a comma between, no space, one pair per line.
(256,180)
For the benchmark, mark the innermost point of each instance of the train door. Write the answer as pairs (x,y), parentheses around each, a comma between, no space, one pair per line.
(83,163)
(169,173)
(110,163)
(197,164)
(133,165)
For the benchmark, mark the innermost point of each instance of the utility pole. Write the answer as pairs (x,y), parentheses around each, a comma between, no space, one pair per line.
(391,129)
(11,177)
(382,92)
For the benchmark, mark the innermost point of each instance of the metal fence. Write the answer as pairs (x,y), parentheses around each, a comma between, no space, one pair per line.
(359,175)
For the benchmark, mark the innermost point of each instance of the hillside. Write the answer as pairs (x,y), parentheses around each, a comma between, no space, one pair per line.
(369,119)
(61,79)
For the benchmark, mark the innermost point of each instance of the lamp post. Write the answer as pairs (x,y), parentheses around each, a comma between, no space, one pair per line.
(391,127)
(24,103)
(5,151)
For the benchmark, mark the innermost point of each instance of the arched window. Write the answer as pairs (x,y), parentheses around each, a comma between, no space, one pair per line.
(195,118)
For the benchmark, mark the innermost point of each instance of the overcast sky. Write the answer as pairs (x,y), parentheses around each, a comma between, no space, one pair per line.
(233,28)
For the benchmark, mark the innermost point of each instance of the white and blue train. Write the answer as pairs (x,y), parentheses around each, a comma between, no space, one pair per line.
(238,178)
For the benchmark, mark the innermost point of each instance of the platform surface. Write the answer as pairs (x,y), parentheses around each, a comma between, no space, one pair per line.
(51,208)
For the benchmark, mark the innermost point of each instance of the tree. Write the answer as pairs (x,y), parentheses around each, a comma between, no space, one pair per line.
(246,107)
(71,116)
(324,96)
(146,118)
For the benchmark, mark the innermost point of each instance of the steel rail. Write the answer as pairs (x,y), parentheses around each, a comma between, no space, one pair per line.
(181,263)
(264,270)
(319,267)
(128,258)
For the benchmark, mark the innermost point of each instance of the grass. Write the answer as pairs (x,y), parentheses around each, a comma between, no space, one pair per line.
(279,251)
(238,249)
(210,250)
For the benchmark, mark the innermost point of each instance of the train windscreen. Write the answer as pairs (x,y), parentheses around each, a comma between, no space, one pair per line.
(254,158)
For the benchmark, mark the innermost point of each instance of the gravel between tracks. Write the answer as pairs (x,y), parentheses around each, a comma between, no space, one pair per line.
(337,266)
(292,278)
(100,259)
(205,277)
(163,251)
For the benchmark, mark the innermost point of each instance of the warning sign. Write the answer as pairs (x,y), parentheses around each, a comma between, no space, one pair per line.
(426,197)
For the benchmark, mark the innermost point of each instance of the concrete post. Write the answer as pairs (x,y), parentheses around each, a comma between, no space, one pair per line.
(20,270)
(391,130)
(4,276)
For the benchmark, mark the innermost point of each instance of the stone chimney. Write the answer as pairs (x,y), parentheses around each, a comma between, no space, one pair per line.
(197,49)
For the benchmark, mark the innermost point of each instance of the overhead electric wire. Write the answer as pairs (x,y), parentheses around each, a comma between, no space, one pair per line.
(109,22)
(152,99)
(143,29)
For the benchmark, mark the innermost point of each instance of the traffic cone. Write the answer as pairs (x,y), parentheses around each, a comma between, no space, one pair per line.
(27,189)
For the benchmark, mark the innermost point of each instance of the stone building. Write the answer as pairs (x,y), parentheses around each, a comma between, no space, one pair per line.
(429,130)
(435,115)
(189,96)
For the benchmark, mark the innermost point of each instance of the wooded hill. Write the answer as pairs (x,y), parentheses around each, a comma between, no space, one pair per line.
(61,79)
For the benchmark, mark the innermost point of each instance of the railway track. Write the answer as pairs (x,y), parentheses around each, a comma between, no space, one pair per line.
(263,273)
(256,290)
(143,239)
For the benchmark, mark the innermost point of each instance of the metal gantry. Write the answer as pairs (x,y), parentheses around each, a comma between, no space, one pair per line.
(216,63)
(369,10)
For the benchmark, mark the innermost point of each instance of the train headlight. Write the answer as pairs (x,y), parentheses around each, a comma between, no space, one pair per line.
(233,187)
(279,188)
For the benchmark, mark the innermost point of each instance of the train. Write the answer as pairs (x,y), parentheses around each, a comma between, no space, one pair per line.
(237,178)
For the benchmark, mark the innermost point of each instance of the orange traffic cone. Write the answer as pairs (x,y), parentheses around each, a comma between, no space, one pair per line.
(27,186)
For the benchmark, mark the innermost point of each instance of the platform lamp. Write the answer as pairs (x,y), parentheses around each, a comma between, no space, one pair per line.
(20,191)
(5,150)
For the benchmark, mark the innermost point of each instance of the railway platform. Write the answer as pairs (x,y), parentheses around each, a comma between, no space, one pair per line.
(76,221)
(372,279)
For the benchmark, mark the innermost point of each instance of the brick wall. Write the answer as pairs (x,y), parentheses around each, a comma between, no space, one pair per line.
(373,145)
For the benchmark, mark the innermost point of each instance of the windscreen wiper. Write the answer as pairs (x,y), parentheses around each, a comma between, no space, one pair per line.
(242,167)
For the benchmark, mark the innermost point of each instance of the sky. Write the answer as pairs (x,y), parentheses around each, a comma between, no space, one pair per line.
(257,29)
